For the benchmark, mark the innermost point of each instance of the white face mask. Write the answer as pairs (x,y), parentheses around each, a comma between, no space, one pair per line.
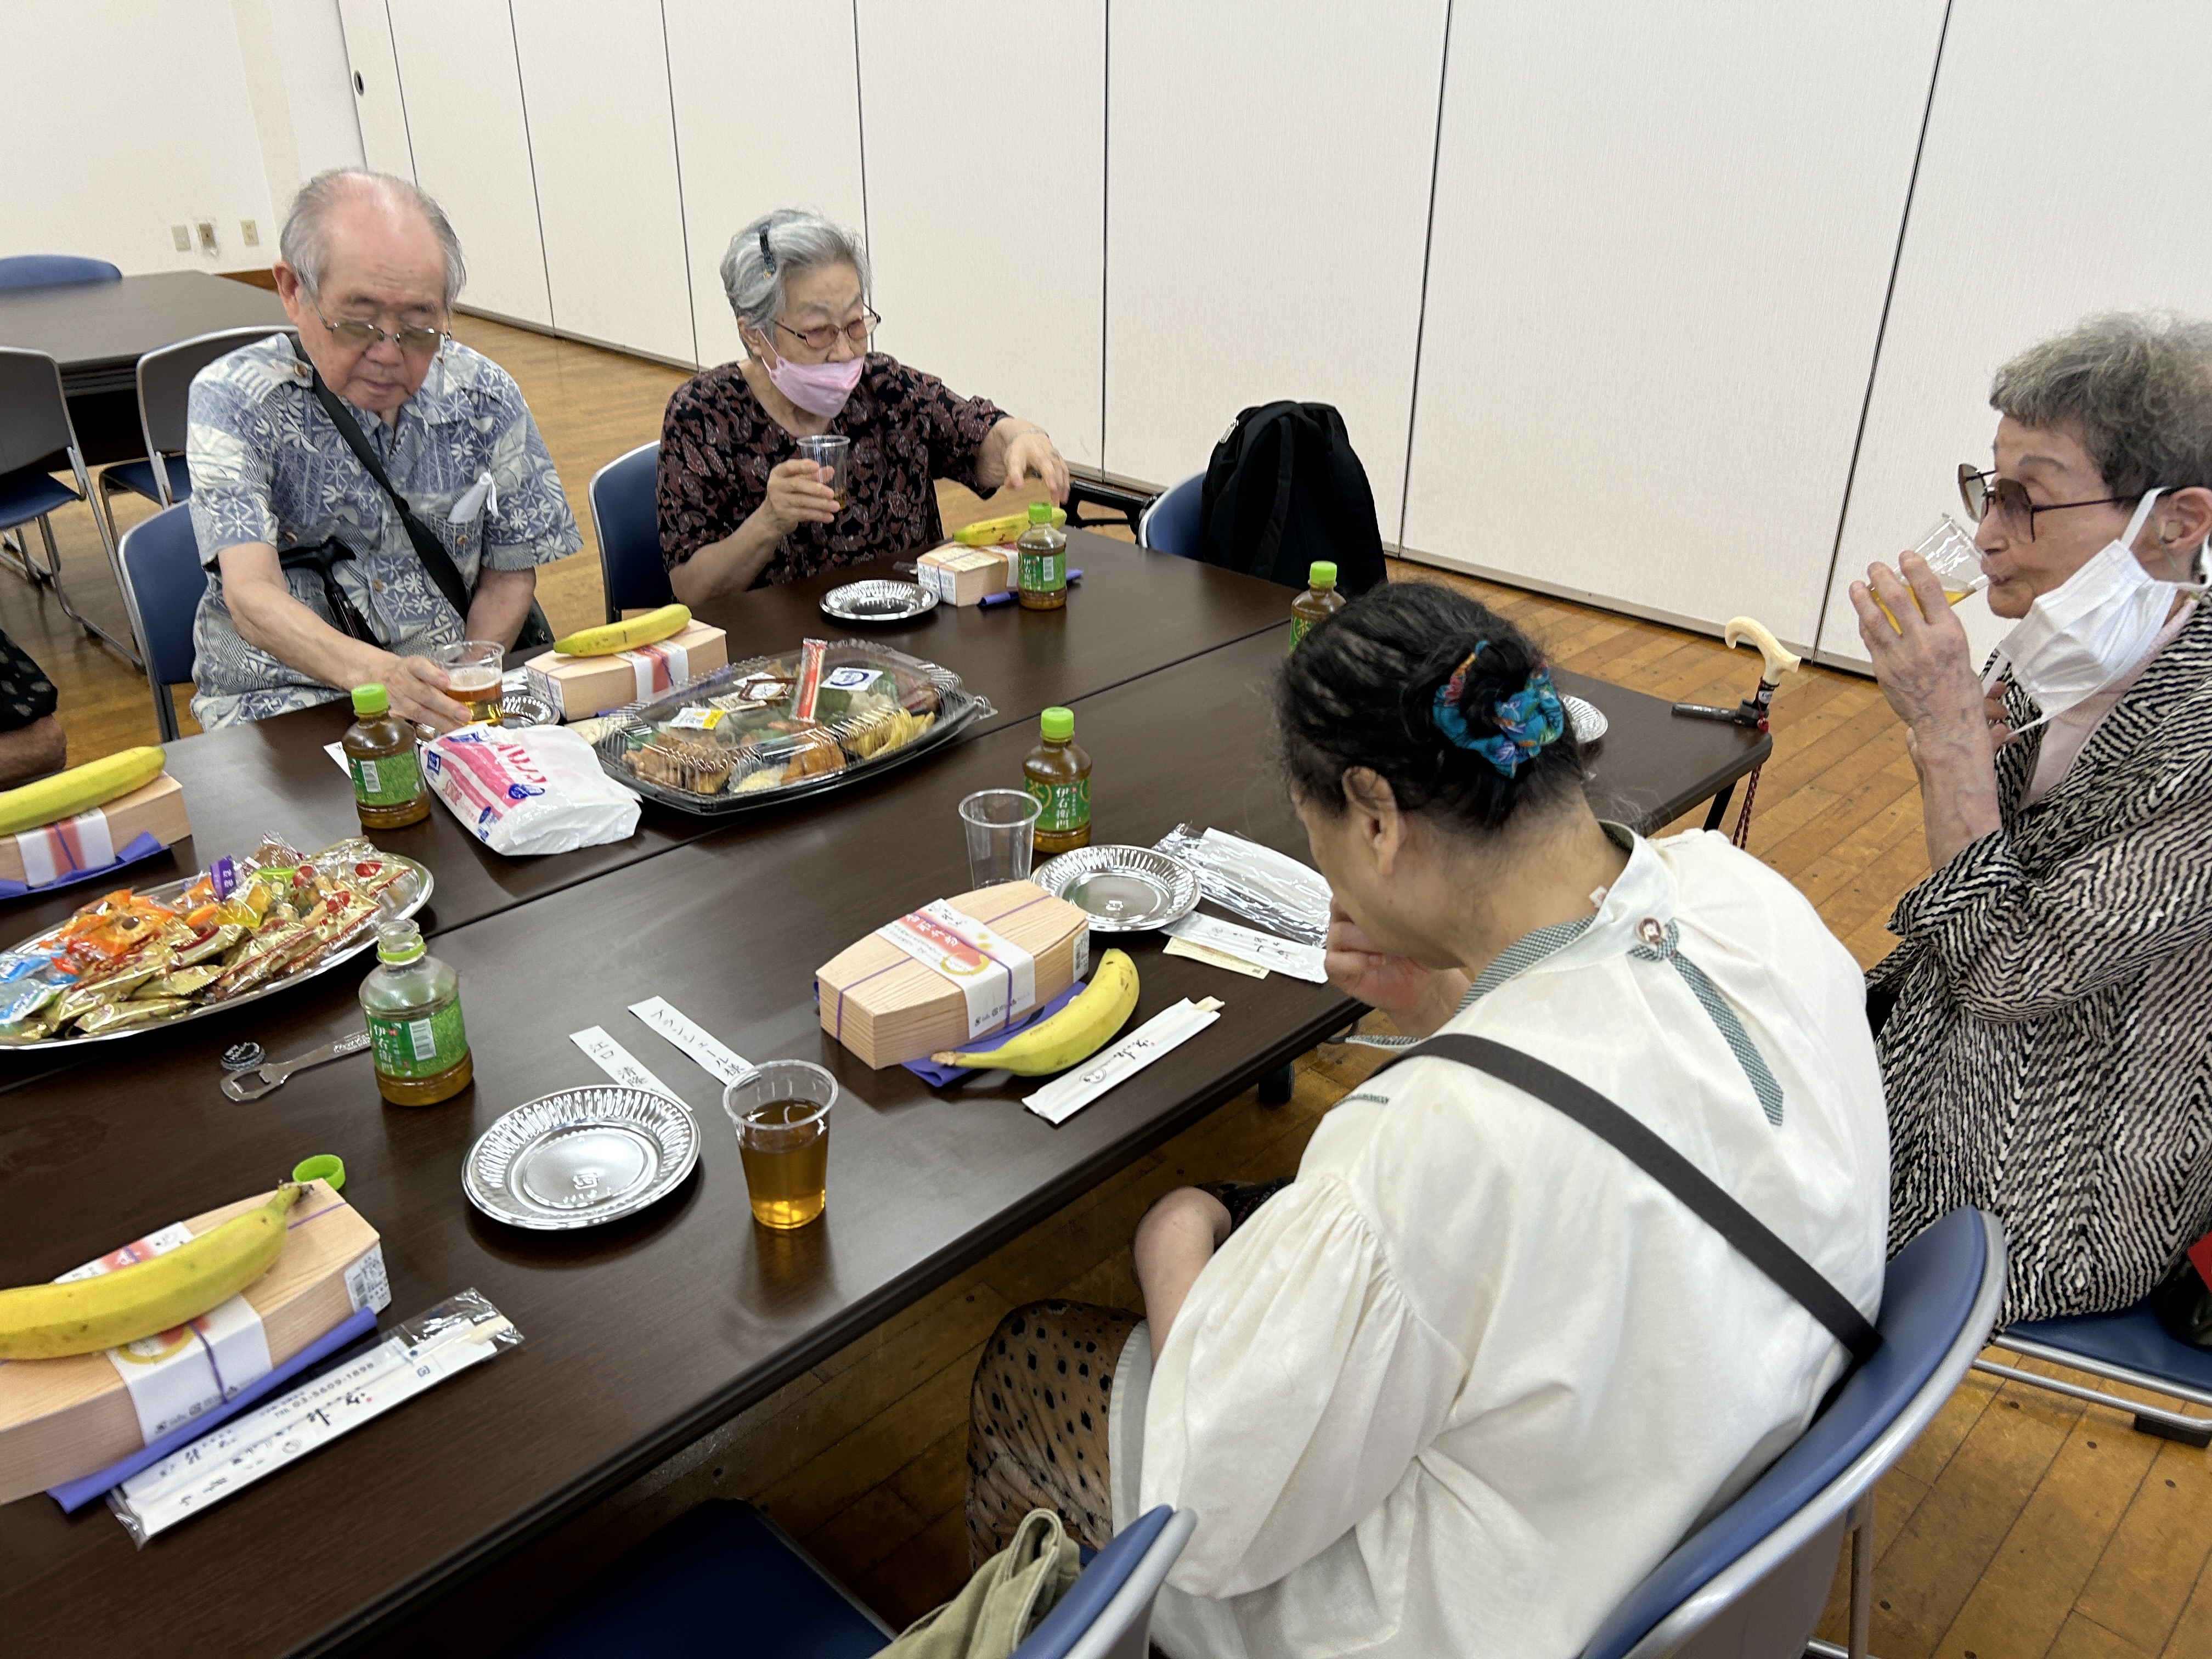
(2094,627)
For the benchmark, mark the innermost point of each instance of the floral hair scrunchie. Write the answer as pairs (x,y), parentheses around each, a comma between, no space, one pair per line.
(1527,720)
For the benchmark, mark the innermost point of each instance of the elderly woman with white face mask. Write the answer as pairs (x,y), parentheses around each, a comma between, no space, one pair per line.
(739,505)
(2045,1025)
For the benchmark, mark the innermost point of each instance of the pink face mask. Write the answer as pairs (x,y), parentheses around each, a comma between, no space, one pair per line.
(817,388)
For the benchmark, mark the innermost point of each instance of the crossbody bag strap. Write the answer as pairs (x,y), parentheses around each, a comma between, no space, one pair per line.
(1751,1238)
(427,548)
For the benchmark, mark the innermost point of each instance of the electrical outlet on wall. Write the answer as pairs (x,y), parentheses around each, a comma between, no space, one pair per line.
(182,236)
(207,237)
(249,233)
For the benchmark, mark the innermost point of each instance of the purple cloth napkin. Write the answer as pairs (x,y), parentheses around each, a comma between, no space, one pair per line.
(74,1495)
(140,846)
(1007,596)
(939,1076)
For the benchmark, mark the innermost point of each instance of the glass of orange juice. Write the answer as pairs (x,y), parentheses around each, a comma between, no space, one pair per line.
(781,1113)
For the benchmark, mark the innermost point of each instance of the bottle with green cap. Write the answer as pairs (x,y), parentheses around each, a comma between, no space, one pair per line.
(1041,565)
(1317,603)
(380,751)
(413,1003)
(1057,774)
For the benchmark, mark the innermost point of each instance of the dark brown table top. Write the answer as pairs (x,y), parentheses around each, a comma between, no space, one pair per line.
(644,1336)
(97,331)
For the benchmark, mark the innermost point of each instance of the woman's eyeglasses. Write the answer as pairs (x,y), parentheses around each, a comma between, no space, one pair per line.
(824,336)
(415,342)
(1981,490)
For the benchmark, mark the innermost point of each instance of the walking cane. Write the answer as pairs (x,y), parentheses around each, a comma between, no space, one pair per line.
(1752,711)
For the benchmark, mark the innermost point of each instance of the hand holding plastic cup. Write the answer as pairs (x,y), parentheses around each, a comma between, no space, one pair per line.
(781,1113)
(1956,562)
(834,452)
(473,671)
(1001,825)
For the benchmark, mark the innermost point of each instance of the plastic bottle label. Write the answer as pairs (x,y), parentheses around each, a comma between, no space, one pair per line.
(1065,807)
(392,781)
(1042,572)
(412,1047)
(1300,627)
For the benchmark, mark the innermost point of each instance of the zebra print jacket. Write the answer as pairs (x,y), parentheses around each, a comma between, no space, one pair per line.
(2050,1054)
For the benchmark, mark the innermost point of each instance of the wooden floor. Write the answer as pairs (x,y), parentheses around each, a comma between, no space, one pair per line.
(2019,1525)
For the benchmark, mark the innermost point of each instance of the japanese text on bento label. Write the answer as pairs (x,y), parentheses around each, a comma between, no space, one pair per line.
(995,975)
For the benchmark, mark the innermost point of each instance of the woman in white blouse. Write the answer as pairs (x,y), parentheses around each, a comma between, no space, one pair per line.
(1458,1386)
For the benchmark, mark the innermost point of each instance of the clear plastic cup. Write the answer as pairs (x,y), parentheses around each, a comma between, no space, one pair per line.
(833,450)
(781,1113)
(1001,825)
(474,669)
(1952,555)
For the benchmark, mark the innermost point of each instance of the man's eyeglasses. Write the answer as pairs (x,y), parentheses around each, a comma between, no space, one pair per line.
(415,342)
(824,337)
(1981,491)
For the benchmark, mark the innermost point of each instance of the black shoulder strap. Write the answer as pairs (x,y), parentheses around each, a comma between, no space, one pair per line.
(427,548)
(1751,1237)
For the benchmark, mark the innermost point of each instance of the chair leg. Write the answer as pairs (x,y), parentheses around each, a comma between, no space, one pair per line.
(16,555)
(53,575)
(2148,1419)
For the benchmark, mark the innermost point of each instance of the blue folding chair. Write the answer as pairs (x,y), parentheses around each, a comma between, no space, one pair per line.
(34,428)
(45,270)
(1751,1583)
(165,384)
(1170,524)
(628,527)
(723,1578)
(162,581)
(2128,1347)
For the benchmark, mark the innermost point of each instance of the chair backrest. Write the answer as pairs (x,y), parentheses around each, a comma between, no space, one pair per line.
(162,581)
(35,418)
(165,382)
(1106,1613)
(1170,523)
(40,269)
(628,527)
(1762,1567)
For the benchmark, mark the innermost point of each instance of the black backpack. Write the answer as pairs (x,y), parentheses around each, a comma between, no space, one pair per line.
(1284,489)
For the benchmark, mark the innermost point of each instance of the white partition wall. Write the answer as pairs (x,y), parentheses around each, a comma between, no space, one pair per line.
(471,146)
(987,221)
(377,95)
(1268,196)
(603,149)
(2023,223)
(768,115)
(1662,238)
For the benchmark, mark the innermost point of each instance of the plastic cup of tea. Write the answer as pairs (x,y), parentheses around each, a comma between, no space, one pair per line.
(474,669)
(781,1113)
(1001,825)
(1951,554)
(833,450)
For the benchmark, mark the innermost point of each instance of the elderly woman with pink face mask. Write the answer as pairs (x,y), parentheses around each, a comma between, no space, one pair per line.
(2045,1022)
(739,505)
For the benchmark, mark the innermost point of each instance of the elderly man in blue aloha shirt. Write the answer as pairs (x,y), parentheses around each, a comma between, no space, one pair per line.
(368,276)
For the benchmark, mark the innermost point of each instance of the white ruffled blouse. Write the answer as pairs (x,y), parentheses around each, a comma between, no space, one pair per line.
(1462,1383)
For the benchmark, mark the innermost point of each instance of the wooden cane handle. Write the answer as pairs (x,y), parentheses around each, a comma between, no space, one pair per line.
(1779,661)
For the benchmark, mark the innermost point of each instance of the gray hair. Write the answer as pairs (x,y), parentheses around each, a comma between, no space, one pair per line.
(2134,387)
(800,241)
(306,241)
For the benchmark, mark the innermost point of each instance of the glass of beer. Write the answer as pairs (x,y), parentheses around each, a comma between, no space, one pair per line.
(1952,555)
(473,670)
(833,450)
(781,1113)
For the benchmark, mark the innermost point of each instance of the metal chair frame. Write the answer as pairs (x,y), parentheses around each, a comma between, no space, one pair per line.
(59,425)
(2147,1420)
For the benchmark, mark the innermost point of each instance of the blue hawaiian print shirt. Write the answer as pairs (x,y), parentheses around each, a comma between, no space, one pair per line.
(267,465)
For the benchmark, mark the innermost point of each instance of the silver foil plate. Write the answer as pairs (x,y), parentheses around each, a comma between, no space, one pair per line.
(1126,890)
(580,1158)
(877,601)
(1587,719)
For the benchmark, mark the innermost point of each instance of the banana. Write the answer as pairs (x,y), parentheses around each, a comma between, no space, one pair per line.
(610,637)
(80,789)
(83,1316)
(984,532)
(1077,1031)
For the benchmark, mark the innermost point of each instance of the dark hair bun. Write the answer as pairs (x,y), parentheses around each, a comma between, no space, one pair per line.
(1361,692)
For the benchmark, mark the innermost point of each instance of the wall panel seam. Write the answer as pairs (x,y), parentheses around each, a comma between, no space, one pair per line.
(530,152)
(861,128)
(683,219)
(400,87)
(1105,205)
(1428,246)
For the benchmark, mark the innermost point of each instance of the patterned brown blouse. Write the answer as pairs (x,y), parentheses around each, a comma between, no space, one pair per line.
(718,445)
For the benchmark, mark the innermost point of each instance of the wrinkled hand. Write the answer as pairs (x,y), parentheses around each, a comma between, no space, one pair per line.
(1999,718)
(1922,659)
(417,687)
(1034,452)
(797,495)
(1398,986)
